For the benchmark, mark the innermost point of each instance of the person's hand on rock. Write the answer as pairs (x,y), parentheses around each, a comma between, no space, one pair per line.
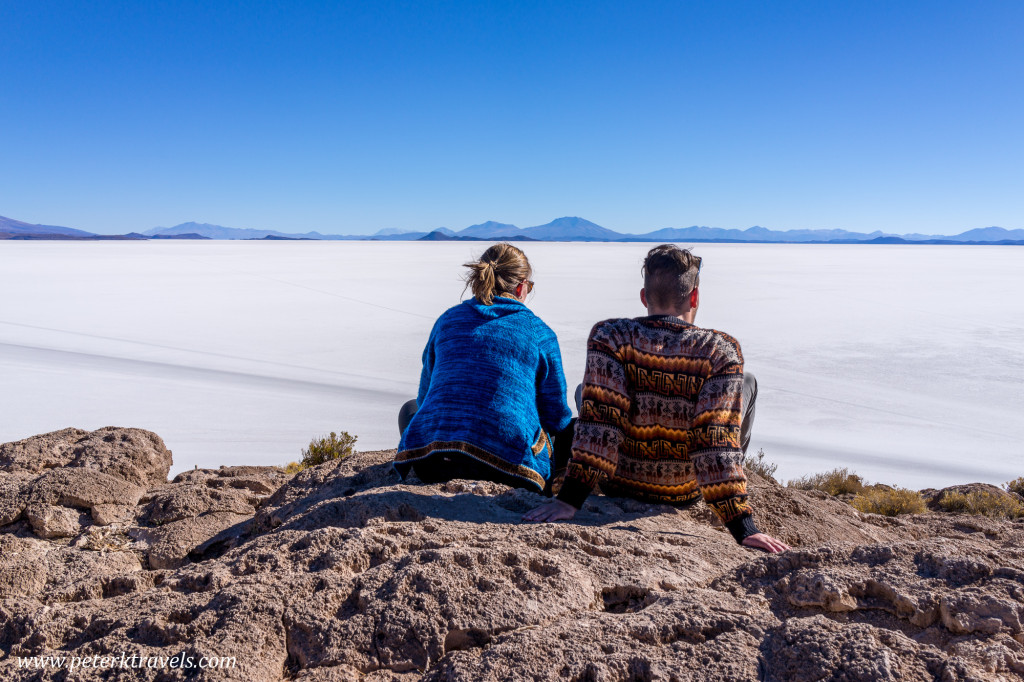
(555,510)
(765,542)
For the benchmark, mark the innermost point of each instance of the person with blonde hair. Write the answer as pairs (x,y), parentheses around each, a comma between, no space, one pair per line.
(492,389)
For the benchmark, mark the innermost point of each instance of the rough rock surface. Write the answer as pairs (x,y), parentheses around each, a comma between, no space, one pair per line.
(133,455)
(932,496)
(344,572)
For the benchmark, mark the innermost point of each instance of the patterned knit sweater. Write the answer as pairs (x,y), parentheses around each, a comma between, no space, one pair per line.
(660,418)
(493,388)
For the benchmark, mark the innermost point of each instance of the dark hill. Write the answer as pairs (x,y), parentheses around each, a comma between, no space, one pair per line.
(11,226)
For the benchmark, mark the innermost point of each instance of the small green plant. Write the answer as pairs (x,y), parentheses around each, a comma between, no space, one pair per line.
(1016,486)
(759,466)
(325,449)
(889,501)
(982,502)
(836,482)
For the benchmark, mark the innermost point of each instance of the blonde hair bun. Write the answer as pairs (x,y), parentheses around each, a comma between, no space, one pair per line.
(498,271)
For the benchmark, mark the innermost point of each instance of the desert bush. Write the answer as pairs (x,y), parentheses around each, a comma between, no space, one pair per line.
(325,449)
(759,466)
(982,502)
(1016,486)
(836,482)
(889,501)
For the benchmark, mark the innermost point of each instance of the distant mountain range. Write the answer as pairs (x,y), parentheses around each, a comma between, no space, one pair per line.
(575,229)
(16,227)
(219,232)
(568,229)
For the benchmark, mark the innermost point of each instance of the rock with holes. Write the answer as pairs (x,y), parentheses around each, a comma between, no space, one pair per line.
(983,611)
(345,572)
(107,514)
(39,453)
(13,499)
(228,490)
(169,546)
(178,501)
(63,480)
(133,455)
(49,521)
(74,575)
(340,673)
(83,490)
(631,635)
(817,589)
(934,497)
(261,480)
(816,648)
(409,613)
(23,569)
(257,480)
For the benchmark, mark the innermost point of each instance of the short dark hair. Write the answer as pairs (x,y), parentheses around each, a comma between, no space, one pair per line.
(670,274)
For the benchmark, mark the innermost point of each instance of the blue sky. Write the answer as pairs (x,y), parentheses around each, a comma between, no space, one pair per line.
(353,117)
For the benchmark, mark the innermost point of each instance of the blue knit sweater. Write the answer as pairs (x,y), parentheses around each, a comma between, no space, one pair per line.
(492,388)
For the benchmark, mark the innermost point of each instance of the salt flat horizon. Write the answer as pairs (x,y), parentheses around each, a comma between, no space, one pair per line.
(903,363)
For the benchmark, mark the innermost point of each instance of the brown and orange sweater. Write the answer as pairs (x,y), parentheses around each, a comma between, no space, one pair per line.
(660,418)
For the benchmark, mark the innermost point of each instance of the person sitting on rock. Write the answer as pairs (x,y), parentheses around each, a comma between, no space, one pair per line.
(665,410)
(492,389)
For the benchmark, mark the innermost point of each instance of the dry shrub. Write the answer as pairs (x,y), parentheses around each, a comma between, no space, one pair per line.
(320,450)
(759,466)
(889,501)
(836,482)
(292,468)
(982,502)
(1016,486)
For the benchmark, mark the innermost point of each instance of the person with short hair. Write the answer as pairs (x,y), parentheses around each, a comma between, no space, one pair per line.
(666,410)
(492,389)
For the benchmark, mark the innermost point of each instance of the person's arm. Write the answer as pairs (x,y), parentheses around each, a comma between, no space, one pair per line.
(599,429)
(716,453)
(552,406)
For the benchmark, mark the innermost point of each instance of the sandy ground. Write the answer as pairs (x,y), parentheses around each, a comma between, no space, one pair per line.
(903,363)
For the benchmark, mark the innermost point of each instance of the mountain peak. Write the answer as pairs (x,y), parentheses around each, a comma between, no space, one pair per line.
(490,230)
(571,228)
(214,231)
(989,234)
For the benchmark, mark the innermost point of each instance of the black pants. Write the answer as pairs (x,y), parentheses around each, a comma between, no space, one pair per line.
(446,466)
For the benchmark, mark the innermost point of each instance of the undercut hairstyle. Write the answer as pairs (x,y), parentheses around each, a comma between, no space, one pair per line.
(670,274)
(498,272)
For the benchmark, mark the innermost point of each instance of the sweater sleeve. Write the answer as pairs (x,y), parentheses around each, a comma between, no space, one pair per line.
(599,430)
(428,366)
(716,454)
(551,402)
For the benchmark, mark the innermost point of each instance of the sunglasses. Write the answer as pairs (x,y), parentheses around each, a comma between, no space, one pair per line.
(529,285)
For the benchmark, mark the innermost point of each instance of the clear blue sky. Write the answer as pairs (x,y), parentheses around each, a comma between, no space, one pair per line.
(352,117)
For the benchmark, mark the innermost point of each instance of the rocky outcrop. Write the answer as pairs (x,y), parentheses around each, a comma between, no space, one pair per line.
(344,572)
(132,455)
(933,497)
(71,484)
